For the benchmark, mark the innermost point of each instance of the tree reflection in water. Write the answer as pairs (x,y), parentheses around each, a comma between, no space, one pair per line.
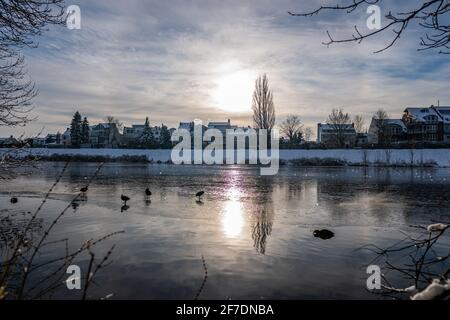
(262,224)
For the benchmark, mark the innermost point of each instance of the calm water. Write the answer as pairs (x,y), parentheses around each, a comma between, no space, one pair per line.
(254,232)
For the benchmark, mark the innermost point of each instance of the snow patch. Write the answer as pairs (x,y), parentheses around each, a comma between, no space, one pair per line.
(433,291)
(437,227)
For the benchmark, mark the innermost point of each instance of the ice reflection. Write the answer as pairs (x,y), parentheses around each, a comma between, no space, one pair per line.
(232,214)
(232,219)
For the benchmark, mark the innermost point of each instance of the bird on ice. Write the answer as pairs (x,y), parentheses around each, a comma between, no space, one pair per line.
(199,194)
(125,199)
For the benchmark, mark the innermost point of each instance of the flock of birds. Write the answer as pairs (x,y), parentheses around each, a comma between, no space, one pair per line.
(147,192)
(124,198)
(322,234)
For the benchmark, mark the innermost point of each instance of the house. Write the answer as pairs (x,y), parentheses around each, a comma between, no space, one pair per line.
(132,134)
(66,139)
(156,133)
(186,126)
(105,135)
(221,126)
(38,142)
(343,135)
(444,114)
(393,131)
(423,124)
(53,140)
(362,139)
(10,142)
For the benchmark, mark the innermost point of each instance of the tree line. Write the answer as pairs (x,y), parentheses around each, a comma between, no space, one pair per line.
(80,133)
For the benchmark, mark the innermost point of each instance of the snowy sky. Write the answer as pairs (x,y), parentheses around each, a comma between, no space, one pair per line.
(177,60)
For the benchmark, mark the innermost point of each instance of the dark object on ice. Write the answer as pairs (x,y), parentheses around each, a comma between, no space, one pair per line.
(200,194)
(148,193)
(125,199)
(84,189)
(14,200)
(323,234)
(75,205)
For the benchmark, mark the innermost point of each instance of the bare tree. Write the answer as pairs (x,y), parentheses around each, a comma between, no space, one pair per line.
(263,106)
(20,21)
(308,134)
(359,122)
(429,15)
(339,122)
(381,118)
(114,120)
(427,269)
(292,127)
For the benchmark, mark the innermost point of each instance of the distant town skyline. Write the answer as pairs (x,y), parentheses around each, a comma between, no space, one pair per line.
(183,61)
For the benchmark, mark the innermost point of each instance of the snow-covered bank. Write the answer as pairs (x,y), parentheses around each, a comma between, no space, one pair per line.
(439,157)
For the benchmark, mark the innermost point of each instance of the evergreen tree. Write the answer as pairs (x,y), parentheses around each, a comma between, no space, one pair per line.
(75,130)
(147,138)
(166,142)
(85,131)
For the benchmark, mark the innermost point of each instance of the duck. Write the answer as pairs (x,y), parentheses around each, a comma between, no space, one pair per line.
(84,190)
(323,234)
(148,193)
(125,199)
(199,194)
(14,200)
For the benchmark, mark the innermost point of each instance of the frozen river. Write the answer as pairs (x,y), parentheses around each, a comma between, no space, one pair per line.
(255,233)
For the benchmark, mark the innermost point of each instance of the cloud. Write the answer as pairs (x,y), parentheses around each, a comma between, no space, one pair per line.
(162,59)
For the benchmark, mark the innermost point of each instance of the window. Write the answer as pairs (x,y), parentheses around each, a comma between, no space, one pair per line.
(431,118)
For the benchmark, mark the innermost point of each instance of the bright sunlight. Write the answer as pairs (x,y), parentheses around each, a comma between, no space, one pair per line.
(234,88)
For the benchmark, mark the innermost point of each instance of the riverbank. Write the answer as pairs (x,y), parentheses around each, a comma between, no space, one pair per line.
(341,157)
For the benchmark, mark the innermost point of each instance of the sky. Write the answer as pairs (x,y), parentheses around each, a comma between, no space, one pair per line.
(180,60)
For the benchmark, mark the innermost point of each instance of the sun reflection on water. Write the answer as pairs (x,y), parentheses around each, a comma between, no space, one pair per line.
(232,214)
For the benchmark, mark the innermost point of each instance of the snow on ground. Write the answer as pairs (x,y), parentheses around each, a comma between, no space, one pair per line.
(394,156)
(433,291)
(437,227)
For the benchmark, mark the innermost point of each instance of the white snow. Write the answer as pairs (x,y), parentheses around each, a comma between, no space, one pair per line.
(434,290)
(400,156)
(437,227)
(411,290)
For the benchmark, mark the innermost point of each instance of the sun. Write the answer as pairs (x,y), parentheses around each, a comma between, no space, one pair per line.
(233,88)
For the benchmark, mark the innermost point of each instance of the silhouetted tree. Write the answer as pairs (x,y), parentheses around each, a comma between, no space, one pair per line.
(380,117)
(429,15)
(263,106)
(20,21)
(165,143)
(114,121)
(75,130)
(358,120)
(292,127)
(147,139)
(308,134)
(85,131)
(339,121)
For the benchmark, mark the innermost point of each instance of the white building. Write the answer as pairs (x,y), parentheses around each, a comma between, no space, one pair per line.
(332,135)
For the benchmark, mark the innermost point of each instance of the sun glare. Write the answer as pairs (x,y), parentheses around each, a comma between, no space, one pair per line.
(233,214)
(233,89)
